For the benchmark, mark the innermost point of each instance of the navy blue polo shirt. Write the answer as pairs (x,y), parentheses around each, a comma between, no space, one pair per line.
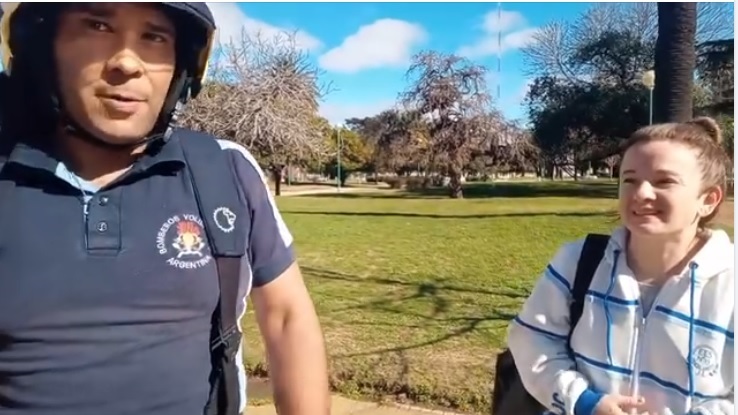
(106,295)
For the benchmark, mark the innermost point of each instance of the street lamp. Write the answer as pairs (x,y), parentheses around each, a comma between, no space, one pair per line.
(649,81)
(339,144)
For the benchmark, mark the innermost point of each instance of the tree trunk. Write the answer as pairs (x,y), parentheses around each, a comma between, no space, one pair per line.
(277,177)
(675,62)
(454,185)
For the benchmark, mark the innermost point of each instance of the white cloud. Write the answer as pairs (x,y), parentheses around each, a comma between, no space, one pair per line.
(384,43)
(504,21)
(522,93)
(231,20)
(512,26)
(337,113)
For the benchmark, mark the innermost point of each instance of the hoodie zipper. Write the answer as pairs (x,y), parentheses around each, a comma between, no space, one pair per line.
(640,328)
(640,325)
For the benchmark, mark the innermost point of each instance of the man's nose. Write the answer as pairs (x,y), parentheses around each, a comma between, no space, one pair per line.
(125,60)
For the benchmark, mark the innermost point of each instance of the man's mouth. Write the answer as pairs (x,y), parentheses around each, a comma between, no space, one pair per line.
(122,103)
(122,97)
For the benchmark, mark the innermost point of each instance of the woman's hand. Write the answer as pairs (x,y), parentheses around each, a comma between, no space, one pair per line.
(620,405)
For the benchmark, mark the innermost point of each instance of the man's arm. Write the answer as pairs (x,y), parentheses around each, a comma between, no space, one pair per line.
(294,342)
(284,311)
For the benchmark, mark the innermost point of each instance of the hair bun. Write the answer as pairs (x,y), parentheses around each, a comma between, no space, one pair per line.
(711,127)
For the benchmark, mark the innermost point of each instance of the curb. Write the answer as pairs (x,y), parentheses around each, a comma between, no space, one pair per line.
(412,408)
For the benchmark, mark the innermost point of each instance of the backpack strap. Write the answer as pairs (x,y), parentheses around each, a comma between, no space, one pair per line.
(592,253)
(223,213)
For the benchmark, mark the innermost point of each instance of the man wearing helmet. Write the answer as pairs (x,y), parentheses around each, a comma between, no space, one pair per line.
(108,285)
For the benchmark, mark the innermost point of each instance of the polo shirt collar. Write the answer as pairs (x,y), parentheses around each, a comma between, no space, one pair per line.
(39,156)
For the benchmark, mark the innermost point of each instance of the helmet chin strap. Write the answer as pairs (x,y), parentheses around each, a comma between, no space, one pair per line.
(161,129)
(73,129)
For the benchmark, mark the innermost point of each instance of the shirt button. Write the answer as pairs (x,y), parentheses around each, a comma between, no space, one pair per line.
(103,200)
(102,227)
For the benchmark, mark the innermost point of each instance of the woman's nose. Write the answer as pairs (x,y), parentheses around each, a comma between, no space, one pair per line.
(644,191)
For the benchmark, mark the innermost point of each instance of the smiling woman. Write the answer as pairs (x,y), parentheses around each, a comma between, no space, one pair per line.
(663,275)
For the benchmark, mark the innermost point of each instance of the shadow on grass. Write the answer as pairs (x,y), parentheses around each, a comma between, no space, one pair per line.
(592,189)
(430,291)
(440,216)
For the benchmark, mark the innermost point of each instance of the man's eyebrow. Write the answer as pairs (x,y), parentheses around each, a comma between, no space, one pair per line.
(93,9)
(159,28)
(102,11)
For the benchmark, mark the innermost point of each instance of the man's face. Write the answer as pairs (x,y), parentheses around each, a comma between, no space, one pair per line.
(115,64)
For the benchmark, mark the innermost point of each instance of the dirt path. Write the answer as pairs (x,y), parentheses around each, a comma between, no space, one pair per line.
(344,406)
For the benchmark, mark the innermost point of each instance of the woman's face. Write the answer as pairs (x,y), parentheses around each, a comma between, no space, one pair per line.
(661,190)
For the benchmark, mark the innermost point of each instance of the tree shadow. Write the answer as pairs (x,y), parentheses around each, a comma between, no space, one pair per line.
(444,216)
(432,291)
(582,189)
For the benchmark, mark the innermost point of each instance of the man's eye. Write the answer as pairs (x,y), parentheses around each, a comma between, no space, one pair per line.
(155,37)
(97,25)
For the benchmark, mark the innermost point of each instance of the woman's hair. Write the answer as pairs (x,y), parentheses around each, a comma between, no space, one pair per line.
(701,134)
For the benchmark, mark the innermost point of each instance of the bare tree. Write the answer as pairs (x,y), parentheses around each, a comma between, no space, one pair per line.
(611,162)
(551,50)
(451,94)
(264,94)
(511,146)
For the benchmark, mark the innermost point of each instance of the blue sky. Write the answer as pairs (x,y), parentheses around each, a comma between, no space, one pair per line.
(364,48)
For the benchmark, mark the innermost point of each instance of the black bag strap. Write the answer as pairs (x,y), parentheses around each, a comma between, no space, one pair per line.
(211,173)
(592,253)
(221,209)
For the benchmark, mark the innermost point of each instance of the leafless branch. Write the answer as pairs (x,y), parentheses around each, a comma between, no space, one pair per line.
(263,93)
(553,45)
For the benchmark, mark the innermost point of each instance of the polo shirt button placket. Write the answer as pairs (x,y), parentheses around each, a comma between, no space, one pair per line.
(103,229)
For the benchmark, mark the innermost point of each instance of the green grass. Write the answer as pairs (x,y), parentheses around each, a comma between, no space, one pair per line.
(415,291)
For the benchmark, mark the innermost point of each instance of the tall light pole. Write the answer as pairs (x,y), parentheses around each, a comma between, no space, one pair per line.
(339,143)
(649,81)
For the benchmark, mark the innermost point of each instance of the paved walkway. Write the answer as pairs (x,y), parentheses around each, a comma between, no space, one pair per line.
(343,406)
(329,190)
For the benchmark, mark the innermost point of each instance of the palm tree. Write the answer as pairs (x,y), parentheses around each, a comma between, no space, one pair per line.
(675,62)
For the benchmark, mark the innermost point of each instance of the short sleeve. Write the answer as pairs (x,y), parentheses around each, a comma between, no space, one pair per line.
(269,240)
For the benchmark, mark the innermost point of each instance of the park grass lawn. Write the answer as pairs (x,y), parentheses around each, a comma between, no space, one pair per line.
(415,291)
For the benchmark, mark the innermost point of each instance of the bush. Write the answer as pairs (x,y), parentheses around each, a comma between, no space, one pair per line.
(394,182)
(417,183)
(409,183)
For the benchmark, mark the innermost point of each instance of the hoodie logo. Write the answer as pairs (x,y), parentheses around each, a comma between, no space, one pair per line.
(705,361)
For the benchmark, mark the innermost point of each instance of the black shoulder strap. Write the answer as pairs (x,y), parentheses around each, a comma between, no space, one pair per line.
(222,212)
(592,253)
(215,188)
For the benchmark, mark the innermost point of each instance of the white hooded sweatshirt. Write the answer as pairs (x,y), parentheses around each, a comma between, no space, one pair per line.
(682,350)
